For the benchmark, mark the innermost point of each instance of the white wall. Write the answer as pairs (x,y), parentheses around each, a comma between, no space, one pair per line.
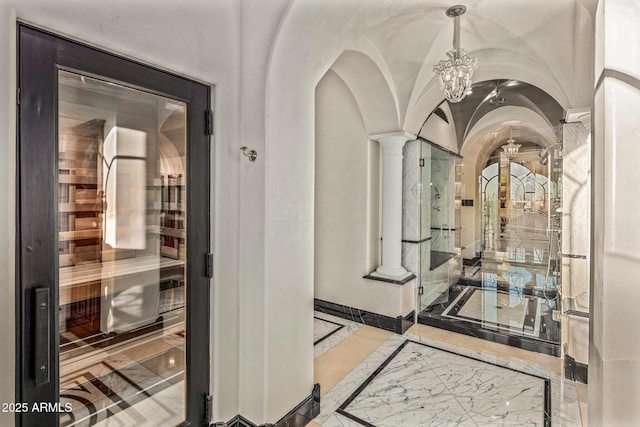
(200,41)
(7,218)
(259,352)
(347,219)
(614,352)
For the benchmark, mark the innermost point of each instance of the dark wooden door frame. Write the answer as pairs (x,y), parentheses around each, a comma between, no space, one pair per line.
(40,55)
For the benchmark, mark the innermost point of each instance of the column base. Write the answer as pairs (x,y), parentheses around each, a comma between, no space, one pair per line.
(400,279)
(396,274)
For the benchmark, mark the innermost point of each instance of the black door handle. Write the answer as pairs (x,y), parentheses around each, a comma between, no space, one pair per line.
(42,332)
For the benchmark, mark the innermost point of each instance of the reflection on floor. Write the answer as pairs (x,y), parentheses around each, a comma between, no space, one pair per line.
(432,377)
(490,308)
(500,312)
(142,385)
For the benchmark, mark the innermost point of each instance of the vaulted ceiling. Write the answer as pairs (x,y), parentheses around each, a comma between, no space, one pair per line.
(539,52)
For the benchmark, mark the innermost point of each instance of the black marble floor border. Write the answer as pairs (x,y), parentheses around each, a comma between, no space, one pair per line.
(330,333)
(299,416)
(393,281)
(399,324)
(342,410)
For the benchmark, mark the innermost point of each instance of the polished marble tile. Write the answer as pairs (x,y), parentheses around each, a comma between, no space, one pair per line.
(489,307)
(565,404)
(540,330)
(323,328)
(327,344)
(582,394)
(339,420)
(537,362)
(341,391)
(165,408)
(332,340)
(332,366)
(480,392)
(425,386)
(116,384)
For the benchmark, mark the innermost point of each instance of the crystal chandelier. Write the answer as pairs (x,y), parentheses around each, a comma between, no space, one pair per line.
(455,73)
(511,149)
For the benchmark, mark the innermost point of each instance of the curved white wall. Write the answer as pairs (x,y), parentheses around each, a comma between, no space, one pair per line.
(201,41)
(347,206)
(223,43)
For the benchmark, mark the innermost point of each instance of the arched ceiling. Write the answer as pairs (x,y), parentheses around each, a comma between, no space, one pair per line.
(489,96)
(539,51)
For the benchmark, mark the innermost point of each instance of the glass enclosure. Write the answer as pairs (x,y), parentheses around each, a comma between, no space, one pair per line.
(431,232)
(519,269)
(511,287)
(122,253)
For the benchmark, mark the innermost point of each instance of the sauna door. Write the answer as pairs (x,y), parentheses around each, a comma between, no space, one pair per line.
(113,239)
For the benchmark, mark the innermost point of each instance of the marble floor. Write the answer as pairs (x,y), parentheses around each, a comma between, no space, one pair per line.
(433,377)
(509,311)
(140,384)
(510,315)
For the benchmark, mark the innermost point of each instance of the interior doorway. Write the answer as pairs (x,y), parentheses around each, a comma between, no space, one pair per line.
(113,234)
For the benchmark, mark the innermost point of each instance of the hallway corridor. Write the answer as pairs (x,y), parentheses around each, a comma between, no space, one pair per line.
(432,377)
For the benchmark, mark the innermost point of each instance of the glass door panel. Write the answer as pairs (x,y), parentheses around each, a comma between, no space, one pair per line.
(122,254)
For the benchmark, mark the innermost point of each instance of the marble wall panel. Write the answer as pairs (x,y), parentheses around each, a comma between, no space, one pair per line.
(410,191)
(425,201)
(576,176)
(411,257)
(425,261)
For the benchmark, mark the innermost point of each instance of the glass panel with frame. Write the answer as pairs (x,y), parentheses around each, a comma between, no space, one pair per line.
(517,271)
(122,253)
(440,219)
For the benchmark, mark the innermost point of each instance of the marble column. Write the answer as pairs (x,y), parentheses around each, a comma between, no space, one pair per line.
(614,353)
(392,144)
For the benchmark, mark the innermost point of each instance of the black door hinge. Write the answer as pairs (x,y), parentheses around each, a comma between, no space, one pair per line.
(209,268)
(421,163)
(208,409)
(420,290)
(208,118)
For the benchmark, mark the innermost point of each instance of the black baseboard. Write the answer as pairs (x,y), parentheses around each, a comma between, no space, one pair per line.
(399,324)
(299,416)
(575,371)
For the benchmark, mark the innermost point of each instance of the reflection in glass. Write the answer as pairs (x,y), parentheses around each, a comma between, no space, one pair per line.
(122,253)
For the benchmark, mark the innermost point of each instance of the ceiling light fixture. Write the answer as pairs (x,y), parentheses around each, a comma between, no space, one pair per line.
(511,149)
(455,73)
